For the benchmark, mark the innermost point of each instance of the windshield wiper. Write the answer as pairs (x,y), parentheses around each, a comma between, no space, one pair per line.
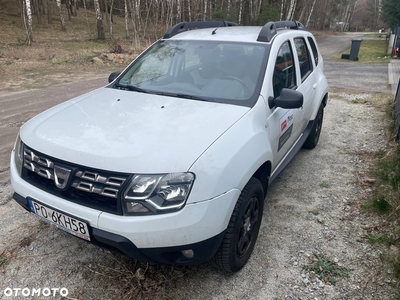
(132,88)
(185,96)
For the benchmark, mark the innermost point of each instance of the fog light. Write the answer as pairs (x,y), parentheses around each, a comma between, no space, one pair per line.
(135,207)
(188,253)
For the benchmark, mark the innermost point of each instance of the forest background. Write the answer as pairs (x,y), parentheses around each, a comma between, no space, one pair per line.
(46,42)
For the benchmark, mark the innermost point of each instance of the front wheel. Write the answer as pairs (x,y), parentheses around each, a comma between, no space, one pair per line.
(243,228)
(313,138)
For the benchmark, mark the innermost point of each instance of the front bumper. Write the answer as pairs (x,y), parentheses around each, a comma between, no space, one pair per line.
(158,238)
(203,250)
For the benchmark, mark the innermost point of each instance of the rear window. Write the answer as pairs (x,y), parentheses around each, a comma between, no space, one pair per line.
(306,66)
(314,49)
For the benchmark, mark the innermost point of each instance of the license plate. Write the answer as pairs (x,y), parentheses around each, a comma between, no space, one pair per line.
(60,220)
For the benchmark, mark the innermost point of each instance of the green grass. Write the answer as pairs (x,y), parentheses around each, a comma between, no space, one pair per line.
(382,239)
(4,261)
(378,203)
(388,173)
(324,185)
(326,269)
(374,238)
(371,51)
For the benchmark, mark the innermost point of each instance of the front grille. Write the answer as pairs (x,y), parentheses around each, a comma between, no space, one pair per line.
(93,188)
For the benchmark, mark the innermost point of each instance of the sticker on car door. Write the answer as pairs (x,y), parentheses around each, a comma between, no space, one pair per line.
(286,126)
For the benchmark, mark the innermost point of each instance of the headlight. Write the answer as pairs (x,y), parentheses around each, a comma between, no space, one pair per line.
(18,155)
(149,194)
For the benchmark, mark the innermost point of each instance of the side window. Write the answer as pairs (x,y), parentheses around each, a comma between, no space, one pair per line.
(304,58)
(314,49)
(284,73)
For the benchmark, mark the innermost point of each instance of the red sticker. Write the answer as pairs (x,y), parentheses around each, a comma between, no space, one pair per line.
(283,125)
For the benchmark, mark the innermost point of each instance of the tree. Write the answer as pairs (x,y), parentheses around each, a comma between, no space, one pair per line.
(100,27)
(49,20)
(391,12)
(28,25)
(61,15)
(126,13)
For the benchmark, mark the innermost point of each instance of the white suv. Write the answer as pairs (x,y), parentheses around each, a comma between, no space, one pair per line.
(171,162)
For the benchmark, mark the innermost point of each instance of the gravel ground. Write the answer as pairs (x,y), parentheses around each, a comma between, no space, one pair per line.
(313,207)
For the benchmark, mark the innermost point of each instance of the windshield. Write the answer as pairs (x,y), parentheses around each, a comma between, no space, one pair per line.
(202,70)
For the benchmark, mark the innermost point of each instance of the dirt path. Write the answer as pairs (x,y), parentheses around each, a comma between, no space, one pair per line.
(311,208)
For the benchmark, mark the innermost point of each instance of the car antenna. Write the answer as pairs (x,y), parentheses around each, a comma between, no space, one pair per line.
(215,30)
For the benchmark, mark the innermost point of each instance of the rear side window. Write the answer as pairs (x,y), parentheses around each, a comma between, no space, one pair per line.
(304,58)
(314,50)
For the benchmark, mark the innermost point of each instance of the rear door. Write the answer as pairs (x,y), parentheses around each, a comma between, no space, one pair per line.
(306,77)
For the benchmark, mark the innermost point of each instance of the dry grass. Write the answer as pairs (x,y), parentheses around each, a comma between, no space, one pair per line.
(57,56)
(129,279)
(384,180)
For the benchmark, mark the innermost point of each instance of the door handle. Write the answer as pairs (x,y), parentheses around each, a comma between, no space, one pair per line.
(314,86)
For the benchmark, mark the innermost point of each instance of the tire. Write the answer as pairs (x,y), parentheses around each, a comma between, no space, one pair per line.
(244,225)
(313,138)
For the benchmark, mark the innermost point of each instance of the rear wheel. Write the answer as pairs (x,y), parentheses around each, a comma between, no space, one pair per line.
(313,138)
(243,228)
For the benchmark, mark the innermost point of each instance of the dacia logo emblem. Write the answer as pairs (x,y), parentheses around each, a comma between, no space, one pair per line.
(61,176)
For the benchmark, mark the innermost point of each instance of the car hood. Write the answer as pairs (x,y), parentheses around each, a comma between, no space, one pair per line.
(130,132)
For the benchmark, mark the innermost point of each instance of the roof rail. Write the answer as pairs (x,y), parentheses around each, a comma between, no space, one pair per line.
(270,29)
(184,26)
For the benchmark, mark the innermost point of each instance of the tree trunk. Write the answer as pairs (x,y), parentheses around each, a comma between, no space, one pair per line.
(29,31)
(292,7)
(147,19)
(61,15)
(126,19)
(86,16)
(136,40)
(138,15)
(240,11)
(111,19)
(49,20)
(100,27)
(189,11)
(67,5)
(38,12)
(104,8)
(178,11)
(303,10)
(351,15)
(311,12)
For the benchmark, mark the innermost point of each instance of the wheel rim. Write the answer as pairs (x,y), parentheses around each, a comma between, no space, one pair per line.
(248,226)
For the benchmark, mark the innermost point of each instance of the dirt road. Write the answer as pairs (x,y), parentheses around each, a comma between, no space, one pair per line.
(310,208)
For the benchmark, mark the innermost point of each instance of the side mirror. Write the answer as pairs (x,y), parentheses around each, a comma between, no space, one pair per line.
(113,76)
(287,99)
